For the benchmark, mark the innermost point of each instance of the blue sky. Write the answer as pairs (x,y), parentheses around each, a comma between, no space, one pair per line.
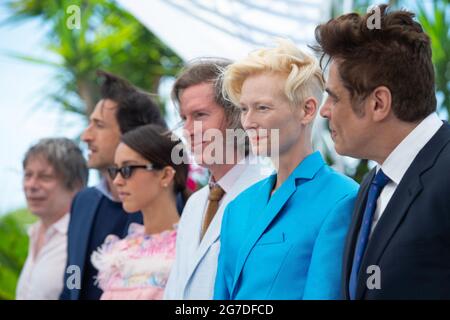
(26,116)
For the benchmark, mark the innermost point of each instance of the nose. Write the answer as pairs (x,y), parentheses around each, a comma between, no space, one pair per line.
(188,130)
(86,136)
(248,121)
(188,127)
(193,131)
(118,180)
(30,183)
(325,112)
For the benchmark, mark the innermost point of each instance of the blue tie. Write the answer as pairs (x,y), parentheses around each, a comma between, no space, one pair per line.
(376,186)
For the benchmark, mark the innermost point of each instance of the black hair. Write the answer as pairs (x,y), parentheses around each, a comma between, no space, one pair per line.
(135,107)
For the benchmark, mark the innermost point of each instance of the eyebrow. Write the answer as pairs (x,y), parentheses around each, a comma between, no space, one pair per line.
(264,101)
(194,111)
(95,119)
(200,109)
(47,172)
(331,93)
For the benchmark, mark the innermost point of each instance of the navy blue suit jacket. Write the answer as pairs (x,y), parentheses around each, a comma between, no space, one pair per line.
(85,232)
(411,242)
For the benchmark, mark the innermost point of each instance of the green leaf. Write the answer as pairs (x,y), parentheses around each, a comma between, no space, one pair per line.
(30,59)
(13,249)
(110,38)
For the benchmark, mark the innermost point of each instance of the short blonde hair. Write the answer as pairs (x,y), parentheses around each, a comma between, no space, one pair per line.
(304,77)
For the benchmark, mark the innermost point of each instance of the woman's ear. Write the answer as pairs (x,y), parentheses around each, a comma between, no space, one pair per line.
(167,176)
(309,110)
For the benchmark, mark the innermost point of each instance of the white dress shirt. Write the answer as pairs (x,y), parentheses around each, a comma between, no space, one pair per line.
(102,186)
(42,276)
(194,271)
(226,182)
(398,162)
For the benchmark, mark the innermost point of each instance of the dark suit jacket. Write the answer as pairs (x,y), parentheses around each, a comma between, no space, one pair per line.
(411,242)
(85,232)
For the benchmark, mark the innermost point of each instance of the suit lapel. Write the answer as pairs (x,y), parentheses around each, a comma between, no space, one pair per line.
(213,232)
(409,188)
(268,207)
(196,227)
(266,212)
(89,210)
(406,192)
(353,232)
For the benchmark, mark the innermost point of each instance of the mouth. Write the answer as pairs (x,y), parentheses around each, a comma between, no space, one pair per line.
(123,195)
(258,138)
(92,150)
(333,134)
(198,144)
(36,200)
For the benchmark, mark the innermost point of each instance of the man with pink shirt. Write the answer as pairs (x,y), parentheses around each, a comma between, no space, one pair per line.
(54,171)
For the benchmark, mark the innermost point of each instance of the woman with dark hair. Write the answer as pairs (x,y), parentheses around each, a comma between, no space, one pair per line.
(148,174)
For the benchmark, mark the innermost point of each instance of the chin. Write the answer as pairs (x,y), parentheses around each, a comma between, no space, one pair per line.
(39,212)
(92,164)
(260,150)
(97,164)
(345,152)
(206,160)
(129,207)
(198,158)
(340,151)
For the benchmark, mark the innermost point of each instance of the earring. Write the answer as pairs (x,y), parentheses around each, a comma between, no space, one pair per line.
(165,185)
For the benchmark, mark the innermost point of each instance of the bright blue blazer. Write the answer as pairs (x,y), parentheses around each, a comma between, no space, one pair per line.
(288,245)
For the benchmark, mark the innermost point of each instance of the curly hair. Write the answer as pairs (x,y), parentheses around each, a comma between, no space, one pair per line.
(396,55)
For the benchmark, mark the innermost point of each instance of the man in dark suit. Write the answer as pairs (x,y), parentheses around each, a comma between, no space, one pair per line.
(381,106)
(96,212)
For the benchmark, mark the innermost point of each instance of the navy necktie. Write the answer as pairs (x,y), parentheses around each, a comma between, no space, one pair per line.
(378,183)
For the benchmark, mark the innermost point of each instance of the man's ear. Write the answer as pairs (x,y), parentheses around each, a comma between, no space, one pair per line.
(380,103)
(309,110)
(167,176)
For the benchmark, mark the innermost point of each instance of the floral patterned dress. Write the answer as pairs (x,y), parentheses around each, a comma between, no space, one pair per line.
(136,267)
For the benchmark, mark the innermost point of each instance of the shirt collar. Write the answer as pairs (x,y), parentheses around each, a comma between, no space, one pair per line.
(61,226)
(400,159)
(230,178)
(103,188)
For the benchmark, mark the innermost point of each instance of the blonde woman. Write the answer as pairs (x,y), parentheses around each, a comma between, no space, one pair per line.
(283,237)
